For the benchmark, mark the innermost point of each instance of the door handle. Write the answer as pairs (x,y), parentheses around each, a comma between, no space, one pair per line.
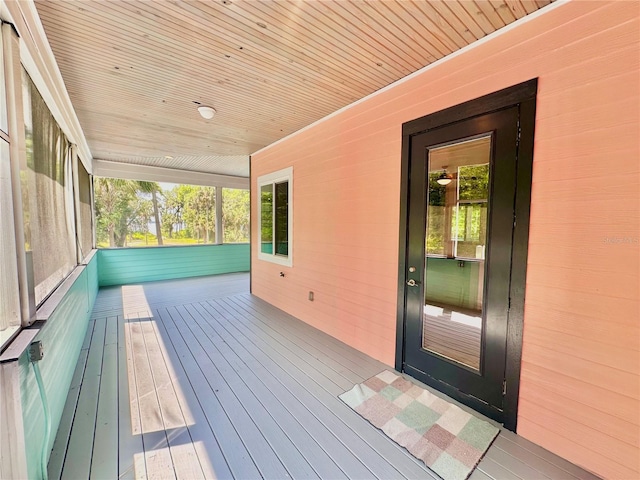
(412,283)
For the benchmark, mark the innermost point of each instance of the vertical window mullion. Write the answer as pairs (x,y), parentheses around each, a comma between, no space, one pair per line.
(76,204)
(273,218)
(219,225)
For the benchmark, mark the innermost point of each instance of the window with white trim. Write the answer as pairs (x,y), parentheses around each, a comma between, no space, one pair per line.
(275,211)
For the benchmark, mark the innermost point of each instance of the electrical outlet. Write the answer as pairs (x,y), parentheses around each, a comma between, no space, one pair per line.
(36,351)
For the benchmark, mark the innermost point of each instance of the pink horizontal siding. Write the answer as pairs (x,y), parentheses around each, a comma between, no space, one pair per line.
(580,386)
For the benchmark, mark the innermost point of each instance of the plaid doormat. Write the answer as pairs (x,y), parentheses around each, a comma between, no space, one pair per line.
(447,439)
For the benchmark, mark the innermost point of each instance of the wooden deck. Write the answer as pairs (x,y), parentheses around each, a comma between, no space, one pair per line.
(197,378)
(451,339)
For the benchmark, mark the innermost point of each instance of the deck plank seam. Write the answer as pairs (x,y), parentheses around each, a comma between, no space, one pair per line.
(282,340)
(131,383)
(95,419)
(299,331)
(497,452)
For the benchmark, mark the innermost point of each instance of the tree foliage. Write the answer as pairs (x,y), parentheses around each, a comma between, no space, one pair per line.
(200,213)
(126,210)
(118,208)
(235,215)
(467,207)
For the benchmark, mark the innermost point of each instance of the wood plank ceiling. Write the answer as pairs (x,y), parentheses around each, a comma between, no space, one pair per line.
(136,70)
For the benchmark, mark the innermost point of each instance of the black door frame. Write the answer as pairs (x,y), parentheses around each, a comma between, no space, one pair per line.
(522,96)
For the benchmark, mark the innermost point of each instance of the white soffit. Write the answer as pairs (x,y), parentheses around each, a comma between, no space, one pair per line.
(103,168)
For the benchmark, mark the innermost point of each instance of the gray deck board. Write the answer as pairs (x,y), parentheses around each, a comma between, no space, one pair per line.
(130,447)
(181,447)
(304,430)
(56,461)
(283,338)
(479,475)
(286,450)
(365,441)
(83,429)
(196,378)
(210,455)
(318,420)
(240,462)
(496,471)
(104,464)
(514,464)
(347,362)
(358,362)
(250,424)
(157,457)
(540,459)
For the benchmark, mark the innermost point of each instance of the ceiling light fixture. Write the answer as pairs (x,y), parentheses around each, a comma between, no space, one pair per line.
(444,178)
(206,112)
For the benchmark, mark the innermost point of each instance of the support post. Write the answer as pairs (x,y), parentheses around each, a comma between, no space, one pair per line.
(13,79)
(219,226)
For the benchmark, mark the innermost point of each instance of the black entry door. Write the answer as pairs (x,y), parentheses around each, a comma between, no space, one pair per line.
(461,200)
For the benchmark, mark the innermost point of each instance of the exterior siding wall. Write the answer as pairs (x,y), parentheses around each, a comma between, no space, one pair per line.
(62,338)
(580,386)
(134,265)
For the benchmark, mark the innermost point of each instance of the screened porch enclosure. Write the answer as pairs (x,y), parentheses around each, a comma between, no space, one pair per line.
(182,340)
(196,378)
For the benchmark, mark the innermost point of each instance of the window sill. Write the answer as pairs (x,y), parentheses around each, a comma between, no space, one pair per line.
(89,257)
(15,340)
(284,261)
(19,344)
(49,306)
(23,338)
(7,335)
(190,245)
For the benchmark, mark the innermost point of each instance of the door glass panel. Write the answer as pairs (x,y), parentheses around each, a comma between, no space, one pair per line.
(456,236)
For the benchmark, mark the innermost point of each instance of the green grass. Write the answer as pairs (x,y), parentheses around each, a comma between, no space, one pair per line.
(153,242)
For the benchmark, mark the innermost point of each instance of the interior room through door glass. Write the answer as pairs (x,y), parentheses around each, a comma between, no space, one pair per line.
(456,237)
